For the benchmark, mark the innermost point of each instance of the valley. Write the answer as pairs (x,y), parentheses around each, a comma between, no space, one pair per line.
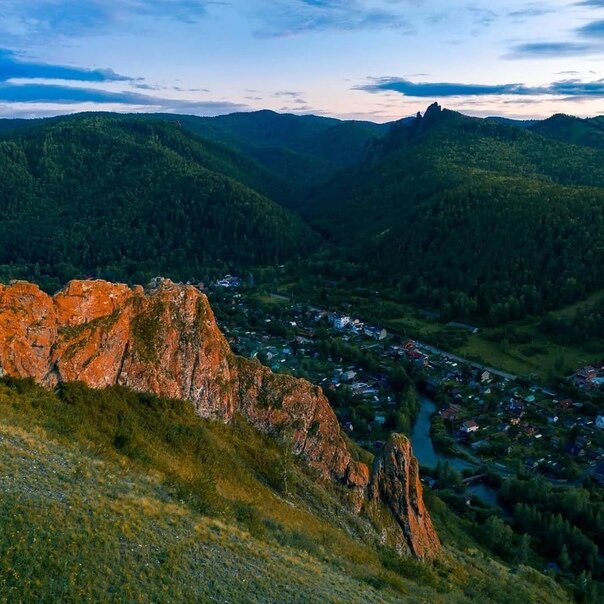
(437,279)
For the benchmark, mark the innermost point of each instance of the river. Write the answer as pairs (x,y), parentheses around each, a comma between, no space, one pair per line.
(427,456)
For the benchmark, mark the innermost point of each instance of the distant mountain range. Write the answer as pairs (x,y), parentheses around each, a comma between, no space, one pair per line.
(478,217)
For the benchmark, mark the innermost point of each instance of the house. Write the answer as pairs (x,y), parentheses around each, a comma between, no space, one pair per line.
(600,422)
(485,376)
(414,355)
(565,404)
(339,321)
(375,332)
(451,412)
(348,376)
(469,426)
(228,281)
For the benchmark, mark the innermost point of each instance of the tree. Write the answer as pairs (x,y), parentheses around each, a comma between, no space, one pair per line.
(524,549)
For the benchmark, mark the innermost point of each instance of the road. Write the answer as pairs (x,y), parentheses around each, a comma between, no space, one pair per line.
(444,353)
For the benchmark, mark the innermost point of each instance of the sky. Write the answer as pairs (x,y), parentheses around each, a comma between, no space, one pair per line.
(378,60)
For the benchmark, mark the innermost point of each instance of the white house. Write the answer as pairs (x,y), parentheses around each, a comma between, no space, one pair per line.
(340,321)
(469,426)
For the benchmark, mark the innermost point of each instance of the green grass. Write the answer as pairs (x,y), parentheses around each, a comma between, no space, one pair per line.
(113,496)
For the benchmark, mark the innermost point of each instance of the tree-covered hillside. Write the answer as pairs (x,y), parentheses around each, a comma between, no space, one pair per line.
(302,150)
(574,130)
(127,199)
(472,216)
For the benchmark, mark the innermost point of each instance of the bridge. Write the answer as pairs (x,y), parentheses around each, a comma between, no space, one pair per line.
(471,479)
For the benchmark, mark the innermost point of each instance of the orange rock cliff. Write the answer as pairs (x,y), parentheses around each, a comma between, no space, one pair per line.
(165,340)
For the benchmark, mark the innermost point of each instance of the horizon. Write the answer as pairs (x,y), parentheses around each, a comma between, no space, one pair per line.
(374,60)
(286,113)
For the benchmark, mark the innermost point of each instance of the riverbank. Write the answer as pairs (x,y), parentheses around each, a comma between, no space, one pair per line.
(426,454)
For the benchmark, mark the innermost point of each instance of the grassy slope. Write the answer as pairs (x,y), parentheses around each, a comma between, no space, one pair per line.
(115,496)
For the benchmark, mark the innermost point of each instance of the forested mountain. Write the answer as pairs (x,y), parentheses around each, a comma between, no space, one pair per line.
(472,216)
(301,149)
(128,198)
(574,130)
(479,218)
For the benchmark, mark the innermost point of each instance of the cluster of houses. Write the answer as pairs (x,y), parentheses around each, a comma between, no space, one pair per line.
(355,326)
(590,377)
(489,412)
(485,410)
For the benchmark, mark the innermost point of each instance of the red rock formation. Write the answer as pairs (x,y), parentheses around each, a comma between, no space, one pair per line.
(166,341)
(395,481)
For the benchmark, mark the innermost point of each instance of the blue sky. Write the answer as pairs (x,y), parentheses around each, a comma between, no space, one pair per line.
(362,59)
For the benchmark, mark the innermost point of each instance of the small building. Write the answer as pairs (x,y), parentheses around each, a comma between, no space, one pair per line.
(339,321)
(348,376)
(451,412)
(469,426)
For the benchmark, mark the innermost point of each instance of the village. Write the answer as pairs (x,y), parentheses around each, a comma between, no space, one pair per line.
(488,417)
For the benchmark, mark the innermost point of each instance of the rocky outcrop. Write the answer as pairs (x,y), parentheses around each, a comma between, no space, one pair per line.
(165,340)
(395,482)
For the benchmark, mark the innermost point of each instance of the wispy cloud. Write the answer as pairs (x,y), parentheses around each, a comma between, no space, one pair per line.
(56,94)
(285,18)
(15,66)
(531,11)
(550,50)
(582,41)
(595,30)
(56,18)
(573,87)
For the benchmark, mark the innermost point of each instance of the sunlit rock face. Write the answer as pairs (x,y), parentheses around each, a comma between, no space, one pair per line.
(165,340)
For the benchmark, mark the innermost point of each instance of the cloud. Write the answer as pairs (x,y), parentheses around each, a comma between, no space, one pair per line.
(286,18)
(531,11)
(570,88)
(550,50)
(13,66)
(591,3)
(55,18)
(595,29)
(69,95)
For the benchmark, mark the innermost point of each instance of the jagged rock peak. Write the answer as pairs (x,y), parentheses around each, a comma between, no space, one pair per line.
(395,481)
(433,109)
(165,340)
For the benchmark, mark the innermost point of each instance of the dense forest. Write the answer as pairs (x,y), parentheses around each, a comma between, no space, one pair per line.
(127,200)
(489,220)
(473,217)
